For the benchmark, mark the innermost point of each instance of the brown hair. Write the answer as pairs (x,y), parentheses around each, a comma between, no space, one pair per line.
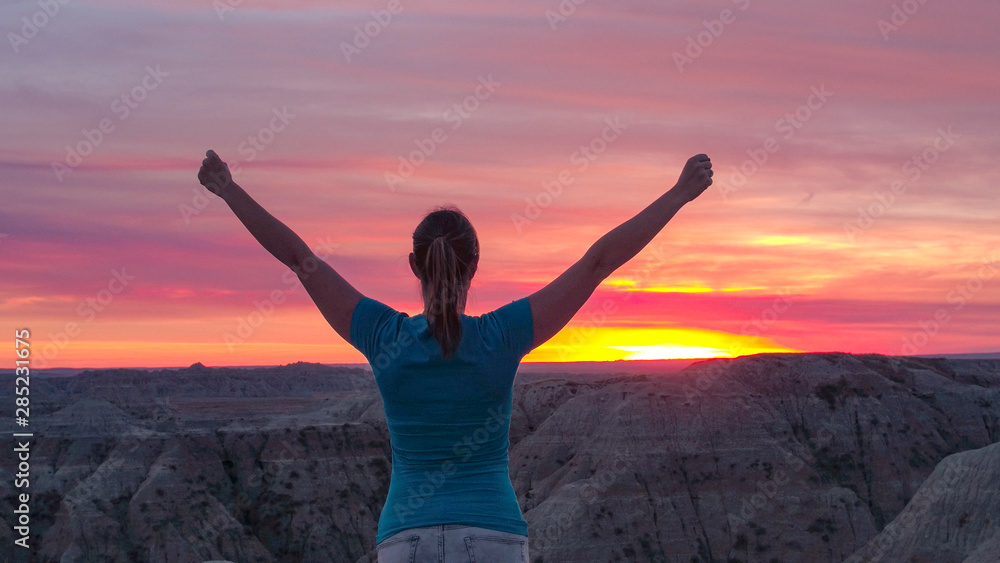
(446,249)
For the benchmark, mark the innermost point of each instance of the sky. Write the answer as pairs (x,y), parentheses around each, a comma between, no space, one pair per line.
(854,143)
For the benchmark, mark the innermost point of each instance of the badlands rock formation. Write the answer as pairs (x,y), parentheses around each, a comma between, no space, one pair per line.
(774,457)
(953,517)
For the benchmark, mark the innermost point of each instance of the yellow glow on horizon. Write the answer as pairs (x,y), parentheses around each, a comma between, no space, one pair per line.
(629,285)
(671,352)
(782,240)
(663,289)
(778,240)
(583,343)
(579,342)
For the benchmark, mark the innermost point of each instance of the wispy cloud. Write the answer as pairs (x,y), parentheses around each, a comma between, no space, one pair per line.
(324,175)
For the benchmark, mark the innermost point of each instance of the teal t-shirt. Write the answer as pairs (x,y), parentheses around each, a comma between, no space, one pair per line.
(448,420)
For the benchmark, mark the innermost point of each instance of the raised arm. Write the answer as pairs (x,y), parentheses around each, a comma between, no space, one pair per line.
(334,296)
(555,304)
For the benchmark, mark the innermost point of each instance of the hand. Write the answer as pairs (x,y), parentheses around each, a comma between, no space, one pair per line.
(695,178)
(214,174)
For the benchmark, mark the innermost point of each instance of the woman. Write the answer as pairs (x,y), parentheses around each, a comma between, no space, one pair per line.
(446,378)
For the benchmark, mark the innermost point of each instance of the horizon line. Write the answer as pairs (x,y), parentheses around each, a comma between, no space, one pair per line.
(955,355)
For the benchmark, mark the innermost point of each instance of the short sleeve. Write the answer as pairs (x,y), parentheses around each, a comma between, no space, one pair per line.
(369,322)
(514,324)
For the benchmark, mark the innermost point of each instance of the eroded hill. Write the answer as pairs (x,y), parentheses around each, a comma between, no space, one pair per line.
(775,457)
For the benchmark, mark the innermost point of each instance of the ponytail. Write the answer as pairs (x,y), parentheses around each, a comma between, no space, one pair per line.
(443,286)
(446,249)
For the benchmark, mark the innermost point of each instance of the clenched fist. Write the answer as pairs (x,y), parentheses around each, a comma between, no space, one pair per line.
(695,178)
(214,174)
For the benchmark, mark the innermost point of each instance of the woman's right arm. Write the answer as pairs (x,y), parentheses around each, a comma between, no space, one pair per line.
(554,305)
(332,294)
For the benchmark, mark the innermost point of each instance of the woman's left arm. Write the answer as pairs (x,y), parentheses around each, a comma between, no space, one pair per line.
(333,295)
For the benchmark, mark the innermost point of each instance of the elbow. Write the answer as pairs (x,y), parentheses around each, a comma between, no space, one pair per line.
(303,263)
(596,263)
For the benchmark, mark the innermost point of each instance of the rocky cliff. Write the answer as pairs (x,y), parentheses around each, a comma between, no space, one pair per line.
(954,517)
(775,457)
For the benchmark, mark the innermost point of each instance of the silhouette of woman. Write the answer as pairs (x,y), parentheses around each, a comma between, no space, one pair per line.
(446,378)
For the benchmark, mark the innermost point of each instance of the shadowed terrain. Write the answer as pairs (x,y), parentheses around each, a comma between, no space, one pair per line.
(774,457)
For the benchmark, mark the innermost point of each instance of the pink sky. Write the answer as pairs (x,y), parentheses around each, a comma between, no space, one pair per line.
(787,251)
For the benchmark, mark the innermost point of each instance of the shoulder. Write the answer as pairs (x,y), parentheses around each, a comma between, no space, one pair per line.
(510,312)
(511,324)
(371,320)
(370,306)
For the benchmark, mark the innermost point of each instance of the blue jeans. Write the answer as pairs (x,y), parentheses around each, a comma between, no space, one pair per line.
(453,543)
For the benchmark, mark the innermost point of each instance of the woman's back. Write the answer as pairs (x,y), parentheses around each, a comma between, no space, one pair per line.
(448,419)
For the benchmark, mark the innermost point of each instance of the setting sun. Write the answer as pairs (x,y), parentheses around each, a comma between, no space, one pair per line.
(670,352)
